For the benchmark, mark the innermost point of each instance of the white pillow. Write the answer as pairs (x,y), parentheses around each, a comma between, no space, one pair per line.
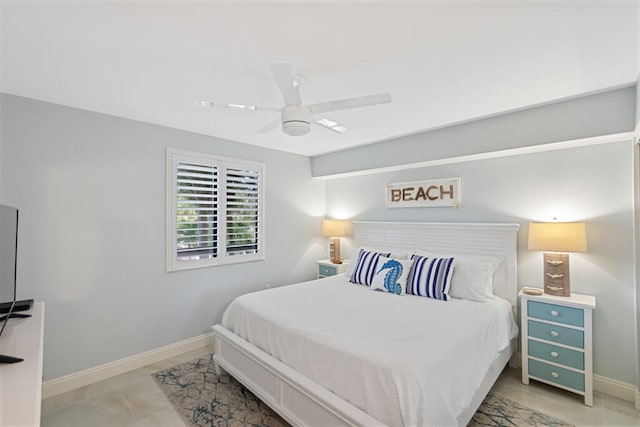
(394,253)
(392,276)
(473,276)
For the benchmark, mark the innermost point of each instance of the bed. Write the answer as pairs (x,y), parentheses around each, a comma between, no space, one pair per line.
(329,352)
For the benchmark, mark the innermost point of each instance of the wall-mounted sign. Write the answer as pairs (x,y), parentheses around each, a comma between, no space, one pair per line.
(428,193)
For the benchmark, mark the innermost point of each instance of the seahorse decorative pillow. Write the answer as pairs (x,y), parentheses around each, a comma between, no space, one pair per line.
(391,275)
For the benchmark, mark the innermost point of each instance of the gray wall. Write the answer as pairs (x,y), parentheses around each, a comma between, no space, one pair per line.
(91,189)
(637,106)
(599,114)
(592,183)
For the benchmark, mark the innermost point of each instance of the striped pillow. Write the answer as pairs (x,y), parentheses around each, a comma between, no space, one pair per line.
(430,277)
(366,266)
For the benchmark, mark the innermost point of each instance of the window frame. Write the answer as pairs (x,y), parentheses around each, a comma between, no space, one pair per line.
(173,157)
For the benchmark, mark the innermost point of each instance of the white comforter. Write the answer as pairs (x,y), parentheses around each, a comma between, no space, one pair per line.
(405,360)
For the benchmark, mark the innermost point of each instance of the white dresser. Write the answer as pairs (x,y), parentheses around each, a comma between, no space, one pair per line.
(21,383)
(557,345)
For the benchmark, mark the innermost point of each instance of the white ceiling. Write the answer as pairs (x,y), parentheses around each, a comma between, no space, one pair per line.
(442,62)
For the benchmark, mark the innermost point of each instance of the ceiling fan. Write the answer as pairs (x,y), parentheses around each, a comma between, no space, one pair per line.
(295,118)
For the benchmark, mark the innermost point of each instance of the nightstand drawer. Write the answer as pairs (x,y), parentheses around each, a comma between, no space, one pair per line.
(556,313)
(325,270)
(555,354)
(559,334)
(557,375)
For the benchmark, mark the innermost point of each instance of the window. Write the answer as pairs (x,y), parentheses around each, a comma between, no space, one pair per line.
(214,210)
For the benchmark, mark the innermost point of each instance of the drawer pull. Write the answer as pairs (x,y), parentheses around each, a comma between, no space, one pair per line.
(555,374)
(554,354)
(554,334)
(554,313)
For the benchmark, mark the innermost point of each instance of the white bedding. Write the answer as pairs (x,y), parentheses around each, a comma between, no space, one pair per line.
(405,360)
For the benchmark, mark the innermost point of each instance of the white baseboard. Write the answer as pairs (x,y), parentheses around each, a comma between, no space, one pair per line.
(603,385)
(615,388)
(92,375)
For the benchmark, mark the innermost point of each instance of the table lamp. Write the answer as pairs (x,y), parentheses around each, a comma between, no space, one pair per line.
(557,237)
(334,229)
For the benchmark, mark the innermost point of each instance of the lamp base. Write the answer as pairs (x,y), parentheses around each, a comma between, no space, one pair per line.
(556,275)
(334,250)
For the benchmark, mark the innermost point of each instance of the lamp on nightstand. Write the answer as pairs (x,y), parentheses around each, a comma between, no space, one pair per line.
(334,229)
(557,237)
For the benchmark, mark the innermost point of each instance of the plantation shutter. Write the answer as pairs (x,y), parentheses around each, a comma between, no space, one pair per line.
(242,188)
(196,211)
(214,210)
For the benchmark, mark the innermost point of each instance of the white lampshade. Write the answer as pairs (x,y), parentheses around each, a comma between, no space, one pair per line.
(558,236)
(335,228)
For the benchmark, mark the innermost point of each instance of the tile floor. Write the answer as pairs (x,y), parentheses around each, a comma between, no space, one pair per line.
(133,399)
(130,399)
(569,407)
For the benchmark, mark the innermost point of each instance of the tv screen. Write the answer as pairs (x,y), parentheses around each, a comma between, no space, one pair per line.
(8,254)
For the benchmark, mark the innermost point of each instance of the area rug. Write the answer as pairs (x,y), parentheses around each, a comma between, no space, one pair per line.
(498,411)
(204,399)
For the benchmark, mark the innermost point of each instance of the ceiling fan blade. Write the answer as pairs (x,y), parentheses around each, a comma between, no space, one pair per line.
(343,104)
(271,125)
(287,82)
(330,124)
(235,106)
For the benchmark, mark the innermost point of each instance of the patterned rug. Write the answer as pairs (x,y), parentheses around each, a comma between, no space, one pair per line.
(498,411)
(204,399)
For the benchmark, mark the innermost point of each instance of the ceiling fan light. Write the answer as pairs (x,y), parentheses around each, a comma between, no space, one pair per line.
(296,121)
(296,127)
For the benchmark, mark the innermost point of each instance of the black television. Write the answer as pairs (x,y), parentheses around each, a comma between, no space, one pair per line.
(9,272)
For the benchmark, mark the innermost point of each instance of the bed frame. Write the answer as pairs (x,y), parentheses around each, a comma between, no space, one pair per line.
(301,401)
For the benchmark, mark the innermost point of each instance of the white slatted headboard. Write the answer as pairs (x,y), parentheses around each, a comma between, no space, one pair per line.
(497,240)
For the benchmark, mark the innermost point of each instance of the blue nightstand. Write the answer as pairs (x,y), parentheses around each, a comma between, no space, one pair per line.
(326,268)
(557,346)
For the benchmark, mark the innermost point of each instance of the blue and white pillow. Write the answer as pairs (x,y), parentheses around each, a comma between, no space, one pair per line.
(391,276)
(366,266)
(473,275)
(430,277)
